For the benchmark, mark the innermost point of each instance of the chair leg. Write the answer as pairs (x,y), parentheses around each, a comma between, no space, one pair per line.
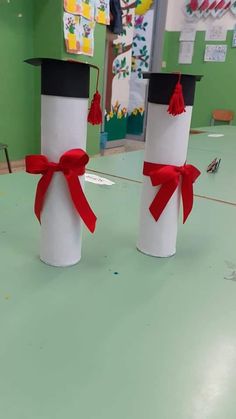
(8,160)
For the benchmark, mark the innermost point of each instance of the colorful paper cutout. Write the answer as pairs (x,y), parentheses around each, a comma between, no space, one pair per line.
(78,34)
(84,8)
(102,12)
(87,37)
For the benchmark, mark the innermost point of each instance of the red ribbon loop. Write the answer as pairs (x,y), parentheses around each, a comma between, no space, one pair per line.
(169,178)
(71,164)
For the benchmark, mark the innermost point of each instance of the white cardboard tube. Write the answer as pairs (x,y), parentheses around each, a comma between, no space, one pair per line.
(63,127)
(166,143)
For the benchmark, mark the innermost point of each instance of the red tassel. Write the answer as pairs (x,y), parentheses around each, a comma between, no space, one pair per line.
(95,112)
(177,105)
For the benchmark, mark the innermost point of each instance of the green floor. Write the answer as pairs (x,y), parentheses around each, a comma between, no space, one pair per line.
(121,335)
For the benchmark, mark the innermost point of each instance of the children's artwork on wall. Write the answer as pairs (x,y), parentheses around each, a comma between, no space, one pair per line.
(201,9)
(102,11)
(118,75)
(216,33)
(71,33)
(87,37)
(215,53)
(83,8)
(141,53)
(78,34)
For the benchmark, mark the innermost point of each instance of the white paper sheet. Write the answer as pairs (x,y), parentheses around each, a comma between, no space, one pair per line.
(186,52)
(188,33)
(216,33)
(215,53)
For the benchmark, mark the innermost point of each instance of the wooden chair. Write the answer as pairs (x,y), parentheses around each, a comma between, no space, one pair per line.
(4,148)
(222,115)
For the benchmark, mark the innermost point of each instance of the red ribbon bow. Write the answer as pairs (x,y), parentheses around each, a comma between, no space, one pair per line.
(169,178)
(71,164)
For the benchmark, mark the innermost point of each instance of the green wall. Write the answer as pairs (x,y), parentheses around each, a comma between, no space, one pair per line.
(39,32)
(217,88)
(17,87)
(93,142)
(49,42)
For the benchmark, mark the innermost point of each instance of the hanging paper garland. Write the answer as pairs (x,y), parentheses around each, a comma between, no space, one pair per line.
(197,9)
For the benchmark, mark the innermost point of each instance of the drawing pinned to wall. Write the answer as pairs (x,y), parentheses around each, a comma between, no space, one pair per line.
(216,33)
(188,33)
(102,12)
(198,9)
(78,34)
(215,53)
(87,37)
(71,33)
(83,8)
(186,52)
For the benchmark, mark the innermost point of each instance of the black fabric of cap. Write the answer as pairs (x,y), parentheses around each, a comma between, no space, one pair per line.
(63,78)
(162,85)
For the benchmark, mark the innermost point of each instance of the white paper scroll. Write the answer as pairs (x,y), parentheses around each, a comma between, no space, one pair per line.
(64,127)
(166,143)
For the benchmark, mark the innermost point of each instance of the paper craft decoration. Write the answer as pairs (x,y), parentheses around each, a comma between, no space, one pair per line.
(186,52)
(197,9)
(166,176)
(215,53)
(216,33)
(86,37)
(72,33)
(188,33)
(102,11)
(78,34)
(83,8)
(60,203)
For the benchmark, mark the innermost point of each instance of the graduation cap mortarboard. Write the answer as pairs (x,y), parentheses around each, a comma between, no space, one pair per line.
(174,89)
(69,79)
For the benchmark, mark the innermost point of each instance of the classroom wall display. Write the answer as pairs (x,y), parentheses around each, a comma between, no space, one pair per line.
(90,9)
(102,11)
(141,52)
(118,75)
(201,9)
(78,34)
(215,53)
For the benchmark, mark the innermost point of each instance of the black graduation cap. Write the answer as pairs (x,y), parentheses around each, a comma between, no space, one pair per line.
(174,89)
(68,79)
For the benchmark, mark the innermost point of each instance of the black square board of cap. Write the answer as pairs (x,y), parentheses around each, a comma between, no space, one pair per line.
(63,78)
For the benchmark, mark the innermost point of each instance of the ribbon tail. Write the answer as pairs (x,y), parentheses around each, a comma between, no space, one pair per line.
(187,198)
(162,198)
(187,190)
(41,193)
(80,202)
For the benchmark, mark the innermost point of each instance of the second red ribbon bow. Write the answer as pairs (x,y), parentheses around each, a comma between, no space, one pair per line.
(169,178)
